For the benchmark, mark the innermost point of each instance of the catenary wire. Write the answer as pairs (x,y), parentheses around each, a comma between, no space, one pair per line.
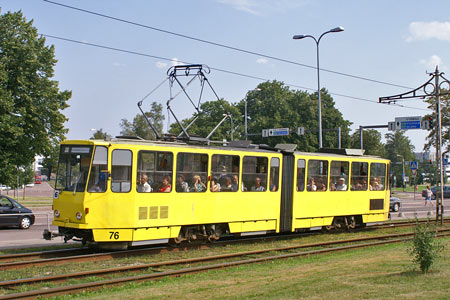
(221,70)
(223,45)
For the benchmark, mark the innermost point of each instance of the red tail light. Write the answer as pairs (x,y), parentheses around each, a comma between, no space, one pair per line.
(86,210)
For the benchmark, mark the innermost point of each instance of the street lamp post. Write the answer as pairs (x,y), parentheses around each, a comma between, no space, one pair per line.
(302,36)
(245,112)
(403,174)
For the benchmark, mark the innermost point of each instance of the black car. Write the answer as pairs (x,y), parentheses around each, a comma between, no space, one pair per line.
(8,214)
(394,204)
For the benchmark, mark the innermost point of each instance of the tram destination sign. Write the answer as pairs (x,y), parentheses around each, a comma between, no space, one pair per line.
(404,123)
(275,132)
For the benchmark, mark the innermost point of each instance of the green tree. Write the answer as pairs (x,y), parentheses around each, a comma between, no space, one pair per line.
(30,101)
(371,142)
(276,106)
(140,127)
(50,161)
(397,146)
(212,112)
(99,135)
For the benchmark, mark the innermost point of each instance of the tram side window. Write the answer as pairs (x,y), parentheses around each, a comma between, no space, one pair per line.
(377,176)
(339,172)
(154,172)
(121,171)
(359,176)
(388,177)
(254,174)
(317,175)
(301,170)
(99,170)
(224,173)
(192,172)
(274,174)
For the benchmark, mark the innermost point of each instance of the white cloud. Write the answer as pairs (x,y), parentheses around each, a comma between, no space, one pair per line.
(421,31)
(176,62)
(263,7)
(261,61)
(118,65)
(432,62)
(161,65)
(242,5)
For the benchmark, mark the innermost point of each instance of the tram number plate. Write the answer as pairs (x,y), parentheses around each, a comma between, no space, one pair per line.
(114,235)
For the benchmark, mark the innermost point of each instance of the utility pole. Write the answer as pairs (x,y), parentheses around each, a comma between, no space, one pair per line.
(431,88)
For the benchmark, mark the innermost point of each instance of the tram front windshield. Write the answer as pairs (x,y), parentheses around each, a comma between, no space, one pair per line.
(73,168)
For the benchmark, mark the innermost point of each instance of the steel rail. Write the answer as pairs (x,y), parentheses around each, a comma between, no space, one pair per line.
(145,251)
(101,272)
(139,278)
(41,254)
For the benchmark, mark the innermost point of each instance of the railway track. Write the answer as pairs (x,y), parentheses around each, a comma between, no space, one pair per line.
(155,272)
(54,257)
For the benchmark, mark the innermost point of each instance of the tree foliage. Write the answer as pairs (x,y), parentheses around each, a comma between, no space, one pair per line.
(273,105)
(425,248)
(445,114)
(371,142)
(99,134)
(30,101)
(139,126)
(397,146)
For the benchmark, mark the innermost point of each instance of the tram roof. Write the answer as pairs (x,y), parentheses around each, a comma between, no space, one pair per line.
(178,144)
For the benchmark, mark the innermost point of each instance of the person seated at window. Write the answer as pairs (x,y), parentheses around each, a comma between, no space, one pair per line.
(374,185)
(363,185)
(182,186)
(258,187)
(341,186)
(215,186)
(312,187)
(273,187)
(165,187)
(321,186)
(235,183)
(143,186)
(198,185)
(228,187)
(356,186)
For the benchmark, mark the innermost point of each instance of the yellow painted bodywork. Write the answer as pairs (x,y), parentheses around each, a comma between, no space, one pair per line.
(311,209)
(134,213)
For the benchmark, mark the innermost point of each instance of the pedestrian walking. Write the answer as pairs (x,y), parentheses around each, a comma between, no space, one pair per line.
(429,194)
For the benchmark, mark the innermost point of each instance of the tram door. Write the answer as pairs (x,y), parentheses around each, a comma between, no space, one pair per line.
(286,193)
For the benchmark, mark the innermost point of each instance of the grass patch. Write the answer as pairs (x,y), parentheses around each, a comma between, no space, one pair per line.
(383,272)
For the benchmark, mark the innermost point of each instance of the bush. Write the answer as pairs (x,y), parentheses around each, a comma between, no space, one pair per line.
(425,248)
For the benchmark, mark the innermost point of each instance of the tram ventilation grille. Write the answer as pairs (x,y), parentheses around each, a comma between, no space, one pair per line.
(376,204)
(164,212)
(153,212)
(142,213)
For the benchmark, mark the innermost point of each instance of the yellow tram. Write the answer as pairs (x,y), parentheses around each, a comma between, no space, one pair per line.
(131,192)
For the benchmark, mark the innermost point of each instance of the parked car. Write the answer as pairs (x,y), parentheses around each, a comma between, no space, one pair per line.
(433,189)
(394,204)
(8,210)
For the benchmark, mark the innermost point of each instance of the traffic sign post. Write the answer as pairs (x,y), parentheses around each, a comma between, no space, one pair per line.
(275,132)
(404,123)
(414,165)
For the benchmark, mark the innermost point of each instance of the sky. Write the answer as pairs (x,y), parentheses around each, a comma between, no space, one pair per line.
(396,42)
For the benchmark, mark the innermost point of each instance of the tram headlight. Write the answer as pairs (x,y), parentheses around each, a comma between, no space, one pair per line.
(56,213)
(79,215)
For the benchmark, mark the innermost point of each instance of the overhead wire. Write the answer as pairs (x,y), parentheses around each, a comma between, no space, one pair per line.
(219,70)
(222,45)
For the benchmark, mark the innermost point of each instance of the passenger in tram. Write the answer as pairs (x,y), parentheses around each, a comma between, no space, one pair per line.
(166,187)
(143,186)
(198,185)
(321,186)
(235,183)
(341,186)
(228,187)
(312,187)
(182,186)
(258,187)
(215,186)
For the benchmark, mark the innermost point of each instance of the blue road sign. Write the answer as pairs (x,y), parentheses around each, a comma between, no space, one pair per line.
(414,165)
(410,125)
(278,131)
(445,161)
